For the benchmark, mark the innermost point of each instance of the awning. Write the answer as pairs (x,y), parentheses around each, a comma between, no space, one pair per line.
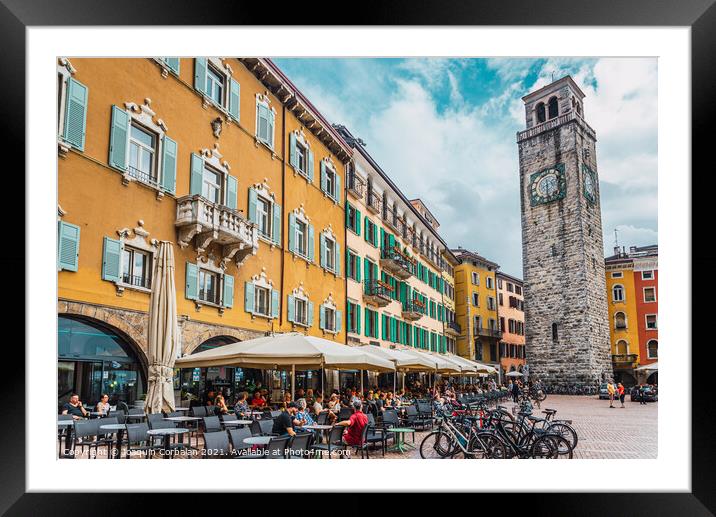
(282,351)
(441,365)
(648,367)
(402,360)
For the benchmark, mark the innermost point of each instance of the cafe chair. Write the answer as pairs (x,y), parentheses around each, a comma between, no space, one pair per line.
(212,424)
(299,447)
(276,448)
(216,444)
(85,434)
(335,442)
(138,439)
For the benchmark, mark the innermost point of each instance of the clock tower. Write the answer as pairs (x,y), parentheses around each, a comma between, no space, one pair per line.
(566,317)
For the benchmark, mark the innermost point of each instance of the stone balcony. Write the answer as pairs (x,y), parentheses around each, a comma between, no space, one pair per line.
(489,332)
(625,360)
(413,310)
(555,122)
(377,293)
(453,329)
(201,223)
(396,263)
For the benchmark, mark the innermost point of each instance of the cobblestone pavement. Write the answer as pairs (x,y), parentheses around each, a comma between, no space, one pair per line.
(604,433)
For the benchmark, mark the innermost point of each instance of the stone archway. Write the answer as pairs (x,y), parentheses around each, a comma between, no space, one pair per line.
(194,333)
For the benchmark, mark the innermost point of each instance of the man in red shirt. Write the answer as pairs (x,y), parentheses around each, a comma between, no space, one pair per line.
(355,424)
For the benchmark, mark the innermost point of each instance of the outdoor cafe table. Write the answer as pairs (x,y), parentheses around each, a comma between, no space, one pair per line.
(184,420)
(400,443)
(120,432)
(318,427)
(136,417)
(236,422)
(68,425)
(182,409)
(257,440)
(167,434)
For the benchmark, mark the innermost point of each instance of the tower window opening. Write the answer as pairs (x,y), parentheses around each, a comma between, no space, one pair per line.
(541,116)
(555,333)
(553,108)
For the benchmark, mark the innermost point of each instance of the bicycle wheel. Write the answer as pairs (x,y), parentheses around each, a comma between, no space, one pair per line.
(437,445)
(486,446)
(539,395)
(563,449)
(565,431)
(543,448)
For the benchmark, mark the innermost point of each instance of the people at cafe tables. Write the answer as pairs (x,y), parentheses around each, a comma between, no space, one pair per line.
(258,401)
(283,424)
(355,424)
(334,404)
(303,417)
(220,404)
(74,407)
(310,397)
(103,404)
(317,404)
(241,408)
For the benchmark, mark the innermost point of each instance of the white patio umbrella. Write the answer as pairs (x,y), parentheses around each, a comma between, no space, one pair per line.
(648,367)
(403,361)
(513,374)
(162,334)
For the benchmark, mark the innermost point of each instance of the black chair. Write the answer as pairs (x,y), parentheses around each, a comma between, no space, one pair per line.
(122,406)
(175,414)
(216,444)
(106,437)
(322,418)
(375,435)
(199,411)
(154,417)
(210,410)
(138,439)
(276,448)
(212,424)
(237,438)
(300,446)
(274,414)
(158,441)
(335,442)
(344,413)
(85,434)
(363,446)
(262,427)
(120,415)
(228,418)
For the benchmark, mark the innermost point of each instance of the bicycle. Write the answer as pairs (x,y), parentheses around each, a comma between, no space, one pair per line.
(524,441)
(451,439)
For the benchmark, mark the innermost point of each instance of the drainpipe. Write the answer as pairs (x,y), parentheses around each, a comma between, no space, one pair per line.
(284,237)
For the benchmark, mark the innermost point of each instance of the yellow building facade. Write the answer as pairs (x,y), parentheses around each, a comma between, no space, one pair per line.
(224,158)
(476,308)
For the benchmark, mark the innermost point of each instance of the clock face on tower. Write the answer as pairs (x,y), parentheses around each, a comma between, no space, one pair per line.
(590,184)
(548,185)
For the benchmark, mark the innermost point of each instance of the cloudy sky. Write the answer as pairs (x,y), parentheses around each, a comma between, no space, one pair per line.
(444,130)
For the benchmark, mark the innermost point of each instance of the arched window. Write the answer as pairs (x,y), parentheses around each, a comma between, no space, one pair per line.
(618,293)
(622,347)
(552,107)
(652,349)
(541,116)
(620,320)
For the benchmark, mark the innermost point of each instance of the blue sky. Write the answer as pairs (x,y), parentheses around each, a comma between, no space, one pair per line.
(444,130)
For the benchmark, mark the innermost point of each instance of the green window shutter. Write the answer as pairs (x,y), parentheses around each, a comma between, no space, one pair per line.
(253,200)
(324,178)
(275,302)
(321,317)
(200,74)
(375,324)
(262,122)
(197,174)
(383,326)
(291,231)
(309,172)
(358,225)
(292,149)
(68,252)
(366,268)
(337,195)
(232,187)
(310,314)
(172,63)
(339,320)
(310,243)
(169,164)
(191,286)
(75,114)
(357,309)
(291,309)
(349,271)
(111,258)
(382,238)
(322,241)
(276,223)
(228,291)
(348,211)
(357,267)
(366,236)
(271,123)
(249,297)
(234,98)
(375,235)
(337,260)
(367,322)
(119,139)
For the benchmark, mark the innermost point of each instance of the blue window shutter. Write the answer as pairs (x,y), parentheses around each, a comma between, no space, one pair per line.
(191,288)
(228,291)
(358,222)
(310,243)
(262,116)
(275,302)
(310,314)
(291,231)
(321,317)
(358,318)
(338,259)
(200,74)
(232,187)
(309,173)
(111,258)
(292,149)
(339,318)
(172,63)
(271,120)
(253,200)
(291,309)
(68,252)
(323,177)
(169,164)
(197,174)
(249,297)
(119,139)
(75,114)
(337,195)
(234,99)
(277,223)
(348,211)
(322,240)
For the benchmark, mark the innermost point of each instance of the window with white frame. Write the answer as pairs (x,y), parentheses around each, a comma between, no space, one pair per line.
(649,294)
(262,301)
(265,117)
(617,274)
(488,280)
(263,216)
(330,319)
(260,298)
(208,286)
(330,254)
(211,184)
(301,311)
(647,275)
(301,238)
(330,181)
(618,293)
(215,85)
(476,299)
(475,278)
(491,303)
(143,145)
(651,321)
(136,267)
(652,349)
(510,287)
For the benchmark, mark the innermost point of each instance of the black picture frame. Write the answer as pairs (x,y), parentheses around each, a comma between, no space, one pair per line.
(700,15)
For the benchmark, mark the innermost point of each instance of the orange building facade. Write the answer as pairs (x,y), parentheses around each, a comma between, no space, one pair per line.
(511,314)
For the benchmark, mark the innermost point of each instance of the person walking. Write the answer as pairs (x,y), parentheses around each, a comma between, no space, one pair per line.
(611,391)
(515,392)
(620,391)
(642,395)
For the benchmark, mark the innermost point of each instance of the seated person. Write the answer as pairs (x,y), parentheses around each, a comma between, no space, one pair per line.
(242,405)
(283,424)
(355,424)
(220,404)
(103,404)
(258,401)
(302,417)
(74,407)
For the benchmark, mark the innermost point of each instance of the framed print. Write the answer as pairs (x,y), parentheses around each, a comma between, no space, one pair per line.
(396,243)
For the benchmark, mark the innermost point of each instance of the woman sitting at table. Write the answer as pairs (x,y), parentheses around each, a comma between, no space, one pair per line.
(220,404)
(242,405)
(103,404)
(258,401)
(303,417)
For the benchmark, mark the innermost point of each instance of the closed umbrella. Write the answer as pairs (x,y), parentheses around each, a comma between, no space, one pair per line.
(163,333)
